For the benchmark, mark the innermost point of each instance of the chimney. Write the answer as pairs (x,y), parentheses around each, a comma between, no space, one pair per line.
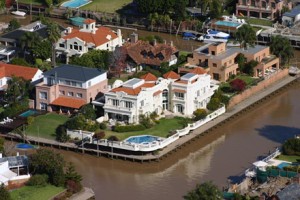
(154,42)
(69,30)
(134,37)
(171,43)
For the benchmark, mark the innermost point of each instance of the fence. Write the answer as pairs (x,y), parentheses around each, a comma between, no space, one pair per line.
(155,145)
(79,134)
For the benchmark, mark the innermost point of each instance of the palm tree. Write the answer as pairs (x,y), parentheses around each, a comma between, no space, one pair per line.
(29,40)
(282,48)
(53,36)
(246,35)
(205,191)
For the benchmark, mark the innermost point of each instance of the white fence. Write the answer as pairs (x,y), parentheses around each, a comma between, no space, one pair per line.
(155,145)
(79,134)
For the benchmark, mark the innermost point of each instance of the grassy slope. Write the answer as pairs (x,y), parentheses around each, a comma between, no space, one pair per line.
(46,124)
(109,6)
(288,158)
(36,193)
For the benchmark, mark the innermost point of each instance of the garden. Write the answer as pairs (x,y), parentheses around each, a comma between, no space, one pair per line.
(109,6)
(36,192)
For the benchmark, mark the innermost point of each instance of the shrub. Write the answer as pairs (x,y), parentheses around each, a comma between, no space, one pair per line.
(30,120)
(291,147)
(39,180)
(199,114)
(61,134)
(113,138)
(145,121)
(213,104)
(129,128)
(73,186)
(238,85)
(153,115)
(103,126)
(100,135)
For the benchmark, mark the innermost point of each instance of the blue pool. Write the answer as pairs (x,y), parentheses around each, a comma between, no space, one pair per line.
(142,139)
(226,23)
(28,113)
(25,146)
(75,3)
(283,164)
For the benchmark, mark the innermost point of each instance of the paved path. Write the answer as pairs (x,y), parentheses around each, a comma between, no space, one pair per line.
(85,194)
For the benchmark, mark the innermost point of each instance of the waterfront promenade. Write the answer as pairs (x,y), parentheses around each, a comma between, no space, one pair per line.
(204,129)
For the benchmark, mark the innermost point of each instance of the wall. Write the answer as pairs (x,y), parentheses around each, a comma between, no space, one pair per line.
(260,86)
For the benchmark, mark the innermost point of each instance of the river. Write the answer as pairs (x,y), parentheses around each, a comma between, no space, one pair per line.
(222,154)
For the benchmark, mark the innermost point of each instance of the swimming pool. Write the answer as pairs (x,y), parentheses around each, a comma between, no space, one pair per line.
(25,146)
(226,23)
(142,139)
(75,3)
(283,164)
(28,113)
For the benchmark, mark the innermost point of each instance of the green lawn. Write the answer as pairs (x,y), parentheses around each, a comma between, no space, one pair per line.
(162,129)
(248,79)
(112,80)
(34,2)
(256,21)
(36,193)
(1,109)
(109,6)
(288,158)
(45,125)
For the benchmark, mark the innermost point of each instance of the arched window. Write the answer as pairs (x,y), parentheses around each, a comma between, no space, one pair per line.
(75,45)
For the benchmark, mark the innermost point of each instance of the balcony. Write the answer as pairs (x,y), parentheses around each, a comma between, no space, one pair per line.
(113,108)
(254,8)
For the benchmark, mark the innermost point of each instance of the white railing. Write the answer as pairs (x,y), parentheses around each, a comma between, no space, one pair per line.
(152,146)
(80,134)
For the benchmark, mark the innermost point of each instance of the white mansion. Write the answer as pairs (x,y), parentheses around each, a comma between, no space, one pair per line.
(142,96)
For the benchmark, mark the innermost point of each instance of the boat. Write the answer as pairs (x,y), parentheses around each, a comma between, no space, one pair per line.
(18,13)
(214,36)
(190,35)
(293,70)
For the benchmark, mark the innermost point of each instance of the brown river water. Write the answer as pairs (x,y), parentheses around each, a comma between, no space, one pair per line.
(222,154)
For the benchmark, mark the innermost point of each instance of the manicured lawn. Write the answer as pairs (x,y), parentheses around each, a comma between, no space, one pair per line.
(288,158)
(248,79)
(109,6)
(112,80)
(36,193)
(34,2)
(45,125)
(162,129)
(263,22)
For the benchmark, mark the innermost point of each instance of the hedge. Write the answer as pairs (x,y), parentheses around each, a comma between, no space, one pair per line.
(129,128)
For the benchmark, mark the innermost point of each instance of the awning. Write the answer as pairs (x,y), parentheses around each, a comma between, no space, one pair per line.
(179,91)
(68,102)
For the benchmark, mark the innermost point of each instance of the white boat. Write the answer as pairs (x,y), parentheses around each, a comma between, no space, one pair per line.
(18,13)
(214,36)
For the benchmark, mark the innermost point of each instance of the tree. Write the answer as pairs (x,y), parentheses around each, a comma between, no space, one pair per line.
(45,161)
(249,67)
(216,9)
(179,9)
(291,147)
(246,35)
(71,174)
(99,135)
(20,61)
(88,111)
(118,61)
(205,191)
(199,114)
(17,89)
(42,50)
(4,194)
(94,59)
(2,145)
(238,85)
(53,37)
(29,40)
(61,134)
(13,25)
(213,104)
(282,48)
(241,60)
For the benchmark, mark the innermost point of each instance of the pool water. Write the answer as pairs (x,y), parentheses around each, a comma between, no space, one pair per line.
(25,146)
(28,113)
(142,139)
(75,3)
(226,23)
(283,164)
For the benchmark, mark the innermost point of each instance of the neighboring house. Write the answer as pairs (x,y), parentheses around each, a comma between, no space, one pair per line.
(220,60)
(80,41)
(27,73)
(142,53)
(269,9)
(142,96)
(68,87)
(290,192)
(291,17)
(10,168)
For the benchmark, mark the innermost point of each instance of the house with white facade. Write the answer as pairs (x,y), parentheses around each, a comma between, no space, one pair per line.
(7,71)
(142,96)
(89,37)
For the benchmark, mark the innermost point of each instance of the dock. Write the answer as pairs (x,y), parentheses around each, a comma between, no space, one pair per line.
(141,157)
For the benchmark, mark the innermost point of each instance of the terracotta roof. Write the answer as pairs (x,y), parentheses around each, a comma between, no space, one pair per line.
(98,38)
(132,91)
(157,92)
(149,77)
(8,70)
(143,52)
(89,21)
(182,81)
(179,91)
(68,102)
(198,70)
(171,75)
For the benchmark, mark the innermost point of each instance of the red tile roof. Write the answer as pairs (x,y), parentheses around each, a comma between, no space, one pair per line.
(68,102)
(143,52)
(8,70)
(132,91)
(179,91)
(149,77)
(98,38)
(89,21)
(198,70)
(171,75)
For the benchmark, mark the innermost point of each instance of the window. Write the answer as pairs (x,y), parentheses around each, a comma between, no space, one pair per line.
(128,104)
(62,45)
(213,53)
(71,46)
(79,95)
(73,83)
(80,48)
(43,106)
(43,95)
(115,102)
(75,46)
(179,95)
(214,64)
(61,92)
(70,94)
(68,82)
(180,108)
(89,83)
(216,76)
